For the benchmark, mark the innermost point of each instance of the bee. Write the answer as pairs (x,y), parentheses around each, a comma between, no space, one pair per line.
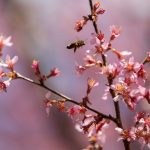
(76,45)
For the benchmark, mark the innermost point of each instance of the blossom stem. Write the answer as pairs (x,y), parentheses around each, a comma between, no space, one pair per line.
(144,61)
(110,81)
(96,30)
(19,76)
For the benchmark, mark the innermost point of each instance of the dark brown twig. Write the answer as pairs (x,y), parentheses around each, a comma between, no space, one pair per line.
(19,76)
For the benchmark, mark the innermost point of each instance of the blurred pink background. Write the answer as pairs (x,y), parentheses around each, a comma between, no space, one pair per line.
(41,29)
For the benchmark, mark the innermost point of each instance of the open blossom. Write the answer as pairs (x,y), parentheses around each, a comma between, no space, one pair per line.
(77,112)
(130,66)
(60,104)
(115,31)
(11,62)
(89,60)
(93,126)
(110,70)
(126,93)
(91,83)
(126,134)
(5,42)
(140,131)
(145,93)
(139,116)
(121,54)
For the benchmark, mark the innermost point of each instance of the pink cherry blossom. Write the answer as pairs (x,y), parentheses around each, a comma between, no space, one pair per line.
(115,31)
(2,86)
(90,61)
(121,54)
(80,69)
(96,6)
(54,72)
(111,70)
(5,41)
(11,62)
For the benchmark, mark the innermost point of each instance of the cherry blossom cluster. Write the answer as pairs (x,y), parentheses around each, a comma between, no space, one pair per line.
(126,81)
(140,131)
(93,16)
(7,72)
(126,77)
(88,123)
(43,77)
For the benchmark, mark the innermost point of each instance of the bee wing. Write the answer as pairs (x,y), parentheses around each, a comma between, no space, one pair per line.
(75,49)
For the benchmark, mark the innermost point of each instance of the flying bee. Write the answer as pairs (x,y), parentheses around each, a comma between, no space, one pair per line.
(76,45)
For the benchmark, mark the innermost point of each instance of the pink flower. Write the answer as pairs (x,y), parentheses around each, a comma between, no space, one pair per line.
(90,61)
(139,116)
(130,79)
(95,40)
(48,103)
(2,86)
(5,42)
(96,6)
(100,11)
(11,62)
(79,24)
(141,73)
(145,93)
(126,134)
(131,65)
(115,31)
(54,72)
(80,69)
(91,83)
(96,10)
(73,111)
(35,67)
(77,112)
(100,36)
(110,70)
(121,54)
(148,57)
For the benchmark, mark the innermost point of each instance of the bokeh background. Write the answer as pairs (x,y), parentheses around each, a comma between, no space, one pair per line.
(41,29)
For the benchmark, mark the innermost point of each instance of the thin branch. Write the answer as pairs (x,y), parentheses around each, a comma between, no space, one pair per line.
(94,22)
(19,76)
